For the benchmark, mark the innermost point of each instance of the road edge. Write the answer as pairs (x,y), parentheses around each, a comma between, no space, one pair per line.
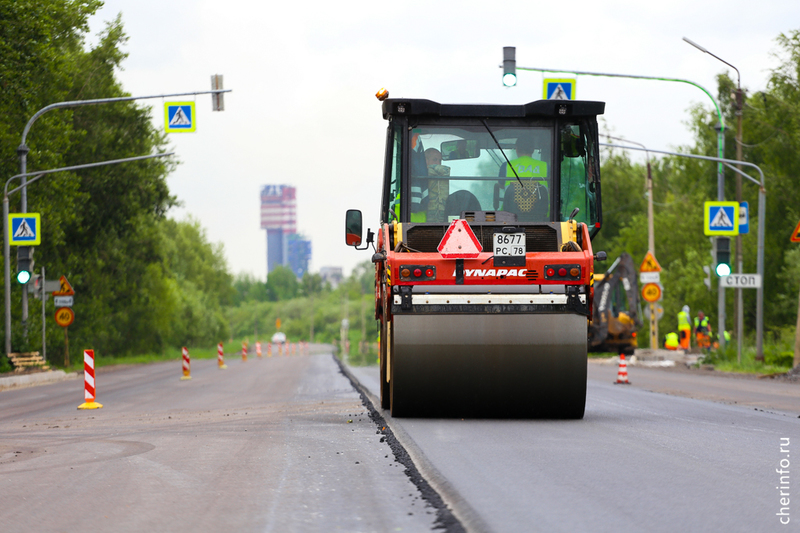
(467,517)
(32,380)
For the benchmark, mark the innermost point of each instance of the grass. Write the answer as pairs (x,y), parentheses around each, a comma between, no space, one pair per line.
(777,360)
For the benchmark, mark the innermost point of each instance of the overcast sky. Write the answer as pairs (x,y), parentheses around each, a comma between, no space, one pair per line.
(304,74)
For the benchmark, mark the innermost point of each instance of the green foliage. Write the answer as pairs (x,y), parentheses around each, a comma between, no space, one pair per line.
(771,126)
(143,283)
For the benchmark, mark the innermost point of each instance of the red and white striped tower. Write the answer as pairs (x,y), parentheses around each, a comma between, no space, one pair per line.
(187,369)
(622,373)
(269,349)
(221,357)
(244,352)
(258,348)
(88,378)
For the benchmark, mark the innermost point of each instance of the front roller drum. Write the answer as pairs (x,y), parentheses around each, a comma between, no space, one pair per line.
(489,366)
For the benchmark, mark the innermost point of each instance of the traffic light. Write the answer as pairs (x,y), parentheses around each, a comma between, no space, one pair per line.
(509,66)
(24,264)
(707,280)
(723,267)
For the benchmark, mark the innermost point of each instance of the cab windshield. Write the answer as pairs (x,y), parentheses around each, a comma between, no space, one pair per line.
(457,169)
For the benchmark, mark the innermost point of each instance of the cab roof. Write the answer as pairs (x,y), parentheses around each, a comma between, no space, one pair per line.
(540,108)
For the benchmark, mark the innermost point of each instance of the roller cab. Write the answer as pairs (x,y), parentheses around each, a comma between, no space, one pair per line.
(484,259)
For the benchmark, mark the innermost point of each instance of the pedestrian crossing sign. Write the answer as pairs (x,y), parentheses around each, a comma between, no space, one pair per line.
(179,117)
(559,89)
(721,218)
(24,229)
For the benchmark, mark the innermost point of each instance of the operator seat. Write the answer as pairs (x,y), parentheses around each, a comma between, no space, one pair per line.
(460,201)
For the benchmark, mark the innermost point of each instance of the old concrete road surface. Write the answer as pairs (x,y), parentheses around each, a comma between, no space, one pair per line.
(640,461)
(273,444)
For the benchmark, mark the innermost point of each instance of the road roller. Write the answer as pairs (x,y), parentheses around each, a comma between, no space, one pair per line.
(483,257)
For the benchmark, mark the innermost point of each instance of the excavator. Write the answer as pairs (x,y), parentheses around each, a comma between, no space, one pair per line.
(483,257)
(615,318)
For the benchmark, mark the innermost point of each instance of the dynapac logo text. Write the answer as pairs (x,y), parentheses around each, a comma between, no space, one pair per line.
(491,272)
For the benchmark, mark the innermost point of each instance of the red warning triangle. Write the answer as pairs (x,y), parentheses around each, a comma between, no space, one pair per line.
(459,242)
(796,233)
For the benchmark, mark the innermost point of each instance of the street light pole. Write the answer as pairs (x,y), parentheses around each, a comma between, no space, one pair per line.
(22,152)
(7,246)
(762,215)
(739,100)
(720,153)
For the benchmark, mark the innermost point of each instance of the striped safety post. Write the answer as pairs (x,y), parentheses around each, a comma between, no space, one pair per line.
(269,349)
(244,352)
(187,369)
(294,348)
(88,378)
(258,348)
(221,357)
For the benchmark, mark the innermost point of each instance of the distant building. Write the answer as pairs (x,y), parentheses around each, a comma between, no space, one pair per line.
(279,218)
(331,275)
(299,254)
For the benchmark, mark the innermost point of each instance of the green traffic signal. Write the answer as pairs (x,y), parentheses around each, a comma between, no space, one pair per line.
(509,66)
(723,258)
(24,264)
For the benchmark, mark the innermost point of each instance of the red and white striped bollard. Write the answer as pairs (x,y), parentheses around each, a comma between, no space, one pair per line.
(88,379)
(258,348)
(187,369)
(221,357)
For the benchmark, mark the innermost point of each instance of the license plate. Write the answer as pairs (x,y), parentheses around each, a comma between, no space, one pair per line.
(509,244)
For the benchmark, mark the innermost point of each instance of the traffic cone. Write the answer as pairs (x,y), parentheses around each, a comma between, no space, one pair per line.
(622,373)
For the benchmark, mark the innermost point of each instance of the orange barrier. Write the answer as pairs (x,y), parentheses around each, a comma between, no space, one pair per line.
(622,373)
(244,352)
(258,348)
(269,349)
(89,393)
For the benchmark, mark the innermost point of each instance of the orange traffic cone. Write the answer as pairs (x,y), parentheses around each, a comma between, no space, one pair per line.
(622,373)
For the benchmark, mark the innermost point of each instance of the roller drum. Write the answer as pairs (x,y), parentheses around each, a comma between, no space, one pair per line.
(489,365)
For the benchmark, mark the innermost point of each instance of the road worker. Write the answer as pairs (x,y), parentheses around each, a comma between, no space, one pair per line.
(529,198)
(702,330)
(671,341)
(684,327)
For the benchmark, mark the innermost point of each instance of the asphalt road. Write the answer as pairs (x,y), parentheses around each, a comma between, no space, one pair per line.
(638,461)
(278,444)
(286,444)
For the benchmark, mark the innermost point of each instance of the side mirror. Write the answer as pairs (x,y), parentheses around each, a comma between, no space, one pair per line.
(353,227)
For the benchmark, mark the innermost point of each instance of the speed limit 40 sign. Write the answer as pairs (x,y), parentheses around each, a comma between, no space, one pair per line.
(64,316)
(651,292)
